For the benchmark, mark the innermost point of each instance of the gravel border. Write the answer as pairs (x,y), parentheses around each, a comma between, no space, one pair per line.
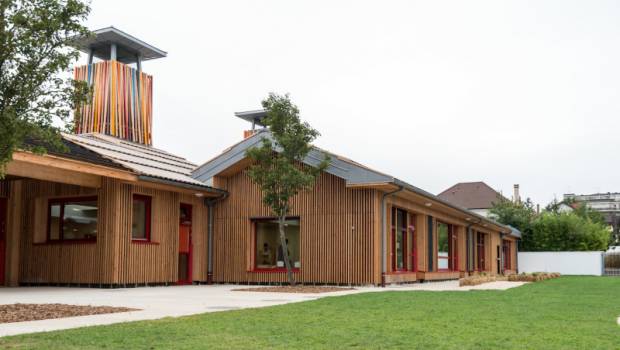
(32,312)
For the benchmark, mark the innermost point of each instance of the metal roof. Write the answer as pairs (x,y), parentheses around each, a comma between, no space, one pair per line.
(352,172)
(128,46)
(254,117)
(144,160)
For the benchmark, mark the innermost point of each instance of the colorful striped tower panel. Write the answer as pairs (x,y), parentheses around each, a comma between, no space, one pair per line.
(122,102)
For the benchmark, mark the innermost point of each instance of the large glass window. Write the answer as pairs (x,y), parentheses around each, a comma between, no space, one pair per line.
(141,219)
(269,253)
(72,219)
(443,246)
(399,239)
(506,254)
(480,252)
(446,247)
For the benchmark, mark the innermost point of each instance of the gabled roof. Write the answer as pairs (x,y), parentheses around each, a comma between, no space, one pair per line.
(146,161)
(472,195)
(354,173)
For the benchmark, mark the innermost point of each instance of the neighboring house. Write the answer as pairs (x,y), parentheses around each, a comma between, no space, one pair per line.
(475,196)
(607,204)
(112,210)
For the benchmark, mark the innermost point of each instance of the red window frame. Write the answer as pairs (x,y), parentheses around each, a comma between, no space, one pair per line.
(147,217)
(411,228)
(253,268)
(452,257)
(506,253)
(62,202)
(480,251)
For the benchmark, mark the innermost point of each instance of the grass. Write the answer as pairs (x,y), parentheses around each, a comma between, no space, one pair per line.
(564,313)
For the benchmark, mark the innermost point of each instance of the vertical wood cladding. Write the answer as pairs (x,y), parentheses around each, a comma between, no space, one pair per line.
(113,258)
(337,233)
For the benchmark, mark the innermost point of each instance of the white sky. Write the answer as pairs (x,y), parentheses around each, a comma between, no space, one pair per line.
(433,92)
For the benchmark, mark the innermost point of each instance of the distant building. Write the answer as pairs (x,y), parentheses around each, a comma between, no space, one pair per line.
(475,196)
(607,204)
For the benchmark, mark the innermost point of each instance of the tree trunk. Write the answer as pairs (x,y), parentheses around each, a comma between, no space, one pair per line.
(287,261)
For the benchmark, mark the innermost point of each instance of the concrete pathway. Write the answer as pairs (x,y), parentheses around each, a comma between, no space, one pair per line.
(174,301)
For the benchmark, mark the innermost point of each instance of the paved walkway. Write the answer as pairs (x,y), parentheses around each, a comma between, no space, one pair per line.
(159,302)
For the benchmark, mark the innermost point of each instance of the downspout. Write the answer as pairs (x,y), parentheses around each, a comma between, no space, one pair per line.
(383,234)
(210,203)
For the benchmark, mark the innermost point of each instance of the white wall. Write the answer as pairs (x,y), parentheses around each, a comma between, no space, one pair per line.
(566,263)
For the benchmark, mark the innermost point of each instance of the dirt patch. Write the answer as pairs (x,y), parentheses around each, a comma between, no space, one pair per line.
(296,289)
(32,312)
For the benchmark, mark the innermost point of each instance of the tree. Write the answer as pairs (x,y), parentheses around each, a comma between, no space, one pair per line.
(568,232)
(278,168)
(553,230)
(519,215)
(34,51)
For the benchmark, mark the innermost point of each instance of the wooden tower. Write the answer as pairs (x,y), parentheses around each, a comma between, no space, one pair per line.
(122,101)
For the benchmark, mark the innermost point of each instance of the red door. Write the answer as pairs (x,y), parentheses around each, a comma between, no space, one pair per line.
(185,245)
(2,239)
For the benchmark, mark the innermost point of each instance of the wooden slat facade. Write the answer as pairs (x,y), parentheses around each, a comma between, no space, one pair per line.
(337,232)
(113,259)
(340,235)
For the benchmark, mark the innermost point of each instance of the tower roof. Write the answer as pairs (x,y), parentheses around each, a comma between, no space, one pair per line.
(254,117)
(128,47)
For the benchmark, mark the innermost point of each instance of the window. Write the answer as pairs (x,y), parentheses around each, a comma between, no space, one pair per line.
(506,254)
(268,250)
(399,239)
(72,219)
(403,241)
(446,247)
(141,219)
(443,246)
(480,251)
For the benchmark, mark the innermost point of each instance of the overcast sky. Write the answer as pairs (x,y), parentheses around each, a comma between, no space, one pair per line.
(431,92)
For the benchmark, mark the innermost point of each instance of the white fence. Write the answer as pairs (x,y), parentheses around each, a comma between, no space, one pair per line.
(566,263)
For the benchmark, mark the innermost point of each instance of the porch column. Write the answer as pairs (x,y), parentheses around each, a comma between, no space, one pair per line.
(14,232)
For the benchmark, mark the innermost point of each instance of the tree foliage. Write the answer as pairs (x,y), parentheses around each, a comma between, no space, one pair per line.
(277,167)
(35,101)
(553,230)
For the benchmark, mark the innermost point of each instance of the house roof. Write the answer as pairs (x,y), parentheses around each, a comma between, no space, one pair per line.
(471,195)
(76,152)
(146,161)
(352,172)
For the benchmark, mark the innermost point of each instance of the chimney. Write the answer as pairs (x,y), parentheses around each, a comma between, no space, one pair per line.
(248,133)
(122,96)
(516,196)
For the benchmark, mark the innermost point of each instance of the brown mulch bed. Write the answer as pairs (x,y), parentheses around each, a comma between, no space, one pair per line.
(295,289)
(32,312)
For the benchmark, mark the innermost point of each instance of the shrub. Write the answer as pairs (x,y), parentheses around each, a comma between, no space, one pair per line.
(533,277)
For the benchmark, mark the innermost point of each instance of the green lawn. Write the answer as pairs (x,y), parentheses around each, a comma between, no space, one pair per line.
(566,313)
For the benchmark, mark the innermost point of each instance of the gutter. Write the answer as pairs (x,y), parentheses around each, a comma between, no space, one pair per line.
(181,184)
(210,203)
(431,196)
(383,234)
